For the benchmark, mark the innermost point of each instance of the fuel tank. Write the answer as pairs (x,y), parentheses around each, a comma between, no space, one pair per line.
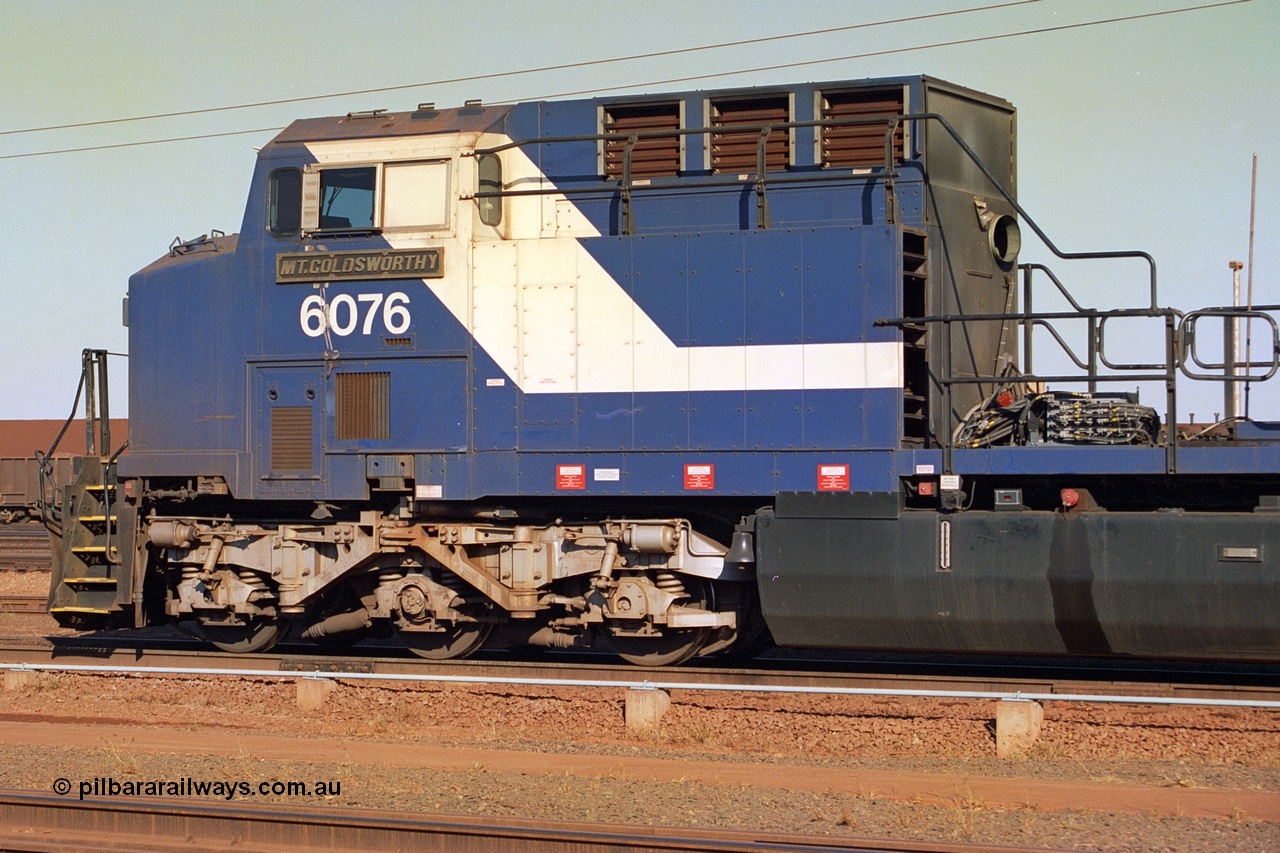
(857,572)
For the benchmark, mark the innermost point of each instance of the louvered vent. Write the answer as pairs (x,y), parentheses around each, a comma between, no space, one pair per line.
(736,151)
(860,145)
(654,157)
(362,406)
(291,439)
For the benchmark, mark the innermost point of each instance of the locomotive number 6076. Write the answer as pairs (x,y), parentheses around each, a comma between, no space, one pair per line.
(342,314)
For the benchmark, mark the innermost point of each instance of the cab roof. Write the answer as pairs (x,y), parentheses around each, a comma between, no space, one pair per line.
(379,123)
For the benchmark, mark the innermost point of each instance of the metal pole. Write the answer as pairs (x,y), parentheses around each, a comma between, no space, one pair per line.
(1248,325)
(1231,349)
(90,402)
(1093,355)
(104,404)
(1027,327)
(1171,395)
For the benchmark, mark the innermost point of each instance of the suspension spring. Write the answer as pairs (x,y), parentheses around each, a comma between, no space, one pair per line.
(250,578)
(390,577)
(460,587)
(669,582)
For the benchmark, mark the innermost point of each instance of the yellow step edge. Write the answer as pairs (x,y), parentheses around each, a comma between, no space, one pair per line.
(92,518)
(96,610)
(98,581)
(88,549)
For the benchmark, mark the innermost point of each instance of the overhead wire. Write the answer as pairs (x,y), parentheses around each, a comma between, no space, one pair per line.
(602,89)
(141,142)
(885,52)
(501,74)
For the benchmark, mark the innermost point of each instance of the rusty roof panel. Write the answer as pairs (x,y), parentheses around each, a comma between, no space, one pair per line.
(476,119)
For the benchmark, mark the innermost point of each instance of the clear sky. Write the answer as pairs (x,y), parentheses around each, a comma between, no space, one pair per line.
(1132,134)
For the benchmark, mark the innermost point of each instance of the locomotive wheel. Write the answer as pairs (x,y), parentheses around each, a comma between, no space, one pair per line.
(459,640)
(752,637)
(673,646)
(256,636)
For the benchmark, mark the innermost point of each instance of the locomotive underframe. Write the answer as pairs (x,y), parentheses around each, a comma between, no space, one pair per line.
(436,583)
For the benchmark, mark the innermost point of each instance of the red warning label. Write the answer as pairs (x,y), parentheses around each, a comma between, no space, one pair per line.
(570,477)
(699,476)
(833,478)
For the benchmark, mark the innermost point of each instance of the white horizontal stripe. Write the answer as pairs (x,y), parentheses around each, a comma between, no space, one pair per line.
(800,367)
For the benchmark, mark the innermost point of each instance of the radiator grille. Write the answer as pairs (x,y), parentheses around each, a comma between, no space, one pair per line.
(735,151)
(291,446)
(651,157)
(362,406)
(860,144)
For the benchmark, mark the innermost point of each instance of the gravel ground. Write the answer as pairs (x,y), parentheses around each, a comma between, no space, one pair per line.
(24,583)
(523,752)
(619,800)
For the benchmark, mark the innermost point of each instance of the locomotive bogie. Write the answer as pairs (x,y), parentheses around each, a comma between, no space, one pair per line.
(627,578)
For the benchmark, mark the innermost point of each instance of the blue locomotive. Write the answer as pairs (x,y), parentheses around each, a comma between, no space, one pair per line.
(675,373)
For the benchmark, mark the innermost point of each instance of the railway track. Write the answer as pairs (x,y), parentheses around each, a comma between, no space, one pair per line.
(40,822)
(22,603)
(388,656)
(163,654)
(24,547)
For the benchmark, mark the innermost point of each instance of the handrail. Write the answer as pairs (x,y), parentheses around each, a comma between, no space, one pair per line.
(1189,345)
(1062,344)
(1179,343)
(1066,256)
(1102,350)
(626,185)
(1062,289)
(692,131)
(1165,372)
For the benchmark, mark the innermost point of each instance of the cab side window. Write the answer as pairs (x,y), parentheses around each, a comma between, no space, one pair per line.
(490,181)
(415,195)
(284,202)
(346,197)
(405,196)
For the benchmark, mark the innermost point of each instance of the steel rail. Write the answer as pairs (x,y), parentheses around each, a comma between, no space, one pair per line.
(648,684)
(24,549)
(938,673)
(23,604)
(31,821)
